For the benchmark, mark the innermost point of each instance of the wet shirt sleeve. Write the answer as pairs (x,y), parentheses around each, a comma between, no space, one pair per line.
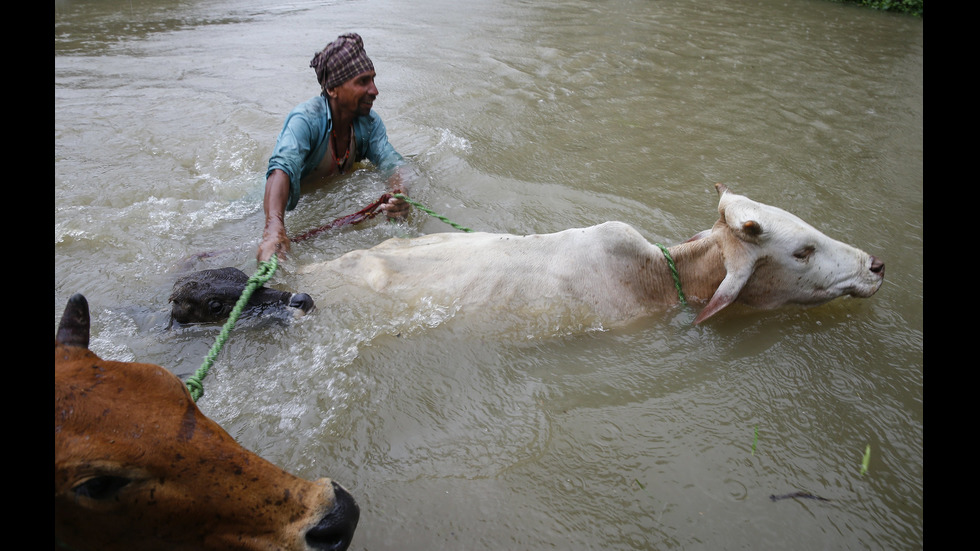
(301,145)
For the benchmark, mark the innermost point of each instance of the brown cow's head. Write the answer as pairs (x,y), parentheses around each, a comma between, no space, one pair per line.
(138,466)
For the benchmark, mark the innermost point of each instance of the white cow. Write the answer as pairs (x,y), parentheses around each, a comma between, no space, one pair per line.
(755,254)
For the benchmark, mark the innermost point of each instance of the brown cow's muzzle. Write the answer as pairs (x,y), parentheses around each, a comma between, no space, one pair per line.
(336,529)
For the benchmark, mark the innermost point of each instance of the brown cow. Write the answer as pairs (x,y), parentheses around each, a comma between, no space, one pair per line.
(138,466)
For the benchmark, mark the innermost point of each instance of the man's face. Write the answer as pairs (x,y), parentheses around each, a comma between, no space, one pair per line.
(357,94)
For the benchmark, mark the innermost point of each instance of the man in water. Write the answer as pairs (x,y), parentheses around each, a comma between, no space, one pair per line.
(324,136)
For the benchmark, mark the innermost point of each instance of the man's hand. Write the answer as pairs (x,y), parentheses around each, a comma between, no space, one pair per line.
(395,208)
(273,243)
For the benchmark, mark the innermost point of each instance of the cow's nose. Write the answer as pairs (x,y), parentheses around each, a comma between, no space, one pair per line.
(336,529)
(302,301)
(877,266)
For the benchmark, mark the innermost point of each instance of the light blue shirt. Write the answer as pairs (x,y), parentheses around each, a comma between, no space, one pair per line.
(303,141)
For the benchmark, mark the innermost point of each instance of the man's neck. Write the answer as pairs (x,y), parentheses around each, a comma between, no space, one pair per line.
(341,120)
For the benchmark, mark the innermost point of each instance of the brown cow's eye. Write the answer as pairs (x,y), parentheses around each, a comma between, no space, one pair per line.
(101,487)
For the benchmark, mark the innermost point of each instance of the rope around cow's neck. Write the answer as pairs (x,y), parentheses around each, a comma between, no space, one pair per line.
(263,274)
(673,271)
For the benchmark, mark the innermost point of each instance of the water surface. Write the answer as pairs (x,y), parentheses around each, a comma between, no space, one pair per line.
(525,117)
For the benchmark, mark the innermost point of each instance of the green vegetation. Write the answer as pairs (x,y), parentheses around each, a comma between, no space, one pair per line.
(911,7)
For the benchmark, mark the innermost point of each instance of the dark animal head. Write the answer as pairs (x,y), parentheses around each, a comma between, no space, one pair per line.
(209,296)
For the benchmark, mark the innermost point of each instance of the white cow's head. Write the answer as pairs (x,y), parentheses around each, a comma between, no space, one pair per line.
(773,258)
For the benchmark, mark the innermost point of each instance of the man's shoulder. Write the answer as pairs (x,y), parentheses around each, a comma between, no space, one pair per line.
(314,106)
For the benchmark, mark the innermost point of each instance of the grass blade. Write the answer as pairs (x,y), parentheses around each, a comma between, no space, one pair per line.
(866,460)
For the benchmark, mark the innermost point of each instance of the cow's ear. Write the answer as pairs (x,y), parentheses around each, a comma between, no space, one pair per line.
(726,294)
(739,265)
(740,222)
(751,227)
(73,329)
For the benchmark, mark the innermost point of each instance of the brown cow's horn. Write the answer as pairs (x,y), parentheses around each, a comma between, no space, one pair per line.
(73,329)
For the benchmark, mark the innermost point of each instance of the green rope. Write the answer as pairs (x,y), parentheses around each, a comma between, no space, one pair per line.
(262,275)
(429,212)
(673,270)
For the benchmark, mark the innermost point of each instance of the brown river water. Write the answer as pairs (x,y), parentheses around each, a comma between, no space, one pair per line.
(524,117)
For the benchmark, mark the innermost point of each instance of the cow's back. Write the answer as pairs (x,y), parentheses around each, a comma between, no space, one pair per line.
(590,269)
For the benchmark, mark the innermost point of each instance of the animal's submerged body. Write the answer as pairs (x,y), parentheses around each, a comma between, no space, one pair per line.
(499,271)
(755,254)
(138,467)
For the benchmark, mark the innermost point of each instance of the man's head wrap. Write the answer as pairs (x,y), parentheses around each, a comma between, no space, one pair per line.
(342,60)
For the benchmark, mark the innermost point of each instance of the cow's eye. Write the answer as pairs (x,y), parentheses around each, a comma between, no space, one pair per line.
(804,253)
(216,306)
(101,487)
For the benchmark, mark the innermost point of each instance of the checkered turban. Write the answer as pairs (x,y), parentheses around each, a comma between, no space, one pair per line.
(342,60)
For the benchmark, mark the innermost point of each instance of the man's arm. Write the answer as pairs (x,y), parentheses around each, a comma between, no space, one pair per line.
(274,239)
(380,152)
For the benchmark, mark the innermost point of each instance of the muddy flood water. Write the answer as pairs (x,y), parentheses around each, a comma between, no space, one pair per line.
(524,117)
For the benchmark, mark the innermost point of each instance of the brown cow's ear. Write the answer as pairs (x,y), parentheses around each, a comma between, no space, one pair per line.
(73,329)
